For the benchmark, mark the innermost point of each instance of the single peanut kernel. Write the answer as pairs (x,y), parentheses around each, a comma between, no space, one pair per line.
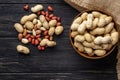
(51,15)
(38,31)
(50,8)
(29,39)
(20,36)
(33,41)
(47,37)
(46,32)
(43,13)
(26,7)
(39,12)
(27,36)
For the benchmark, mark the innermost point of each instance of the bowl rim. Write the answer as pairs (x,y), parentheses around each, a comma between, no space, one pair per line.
(84,54)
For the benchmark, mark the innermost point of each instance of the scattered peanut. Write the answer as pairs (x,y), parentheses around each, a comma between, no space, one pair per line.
(32,26)
(23,49)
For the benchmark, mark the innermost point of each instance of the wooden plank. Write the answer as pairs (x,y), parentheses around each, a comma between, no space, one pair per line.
(30,1)
(61,58)
(57,76)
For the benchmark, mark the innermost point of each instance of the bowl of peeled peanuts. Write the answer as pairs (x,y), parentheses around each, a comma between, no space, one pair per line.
(93,34)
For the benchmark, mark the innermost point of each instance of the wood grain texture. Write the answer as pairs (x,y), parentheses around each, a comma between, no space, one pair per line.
(58,63)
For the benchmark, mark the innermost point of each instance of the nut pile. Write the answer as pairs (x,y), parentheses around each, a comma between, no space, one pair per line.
(38,28)
(94,33)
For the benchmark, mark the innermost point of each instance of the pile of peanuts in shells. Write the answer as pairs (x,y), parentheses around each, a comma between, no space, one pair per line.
(38,28)
(94,33)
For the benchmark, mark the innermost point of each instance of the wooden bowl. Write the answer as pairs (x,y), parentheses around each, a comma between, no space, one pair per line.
(85,54)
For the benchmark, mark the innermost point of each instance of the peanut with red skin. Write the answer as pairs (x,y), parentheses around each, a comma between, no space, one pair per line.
(46,32)
(33,41)
(29,39)
(24,32)
(38,13)
(47,14)
(43,13)
(58,19)
(27,36)
(38,36)
(42,48)
(39,39)
(20,36)
(47,18)
(26,7)
(38,31)
(39,47)
(58,24)
(36,42)
(47,37)
(50,8)
(54,18)
(32,37)
(51,15)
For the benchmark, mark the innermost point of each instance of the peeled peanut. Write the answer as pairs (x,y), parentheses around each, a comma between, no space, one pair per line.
(79,46)
(29,25)
(109,27)
(74,26)
(24,41)
(42,18)
(74,33)
(52,23)
(18,27)
(45,25)
(51,43)
(100,52)
(51,31)
(58,30)
(84,16)
(88,37)
(43,42)
(36,8)
(78,20)
(79,38)
(23,49)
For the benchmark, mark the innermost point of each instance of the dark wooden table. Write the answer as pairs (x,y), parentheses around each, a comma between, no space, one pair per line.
(58,63)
